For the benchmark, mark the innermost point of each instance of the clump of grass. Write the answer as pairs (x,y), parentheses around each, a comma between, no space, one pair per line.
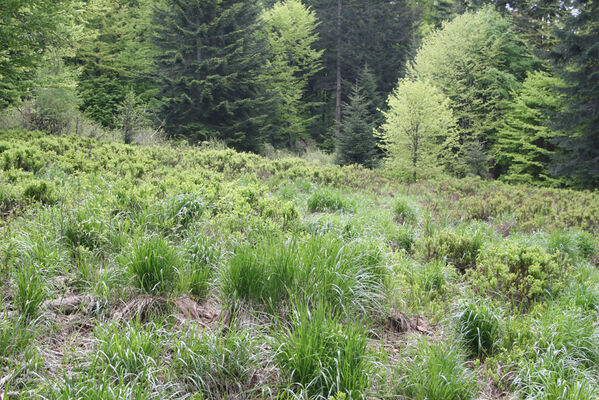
(324,200)
(348,277)
(41,191)
(434,371)
(578,245)
(322,357)
(479,327)
(201,259)
(262,273)
(217,364)
(82,387)
(153,264)
(404,213)
(404,237)
(30,291)
(127,353)
(555,355)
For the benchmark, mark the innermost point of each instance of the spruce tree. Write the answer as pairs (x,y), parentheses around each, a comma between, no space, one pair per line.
(524,147)
(210,62)
(576,58)
(356,143)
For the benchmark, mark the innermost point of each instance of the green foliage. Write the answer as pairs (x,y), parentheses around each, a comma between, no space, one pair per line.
(201,257)
(208,86)
(263,273)
(477,61)
(324,200)
(217,364)
(525,142)
(30,292)
(356,143)
(576,245)
(418,129)
(434,371)
(347,277)
(522,273)
(456,248)
(40,191)
(153,264)
(127,353)
(479,327)
(322,357)
(403,211)
(575,58)
(28,28)
(289,28)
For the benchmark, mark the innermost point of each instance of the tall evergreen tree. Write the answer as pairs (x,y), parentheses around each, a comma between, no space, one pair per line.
(210,64)
(524,147)
(356,143)
(354,33)
(576,57)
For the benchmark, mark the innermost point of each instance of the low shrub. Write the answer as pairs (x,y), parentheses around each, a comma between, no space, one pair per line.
(521,273)
(41,191)
(434,371)
(321,357)
(458,249)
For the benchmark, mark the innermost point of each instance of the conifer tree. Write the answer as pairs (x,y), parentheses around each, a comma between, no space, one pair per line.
(576,57)
(356,143)
(525,146)
(210,63)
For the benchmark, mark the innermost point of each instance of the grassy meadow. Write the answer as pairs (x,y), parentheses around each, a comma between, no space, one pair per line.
(176,272)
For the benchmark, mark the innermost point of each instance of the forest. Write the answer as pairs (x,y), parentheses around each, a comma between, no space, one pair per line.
(299,200)
(493,89)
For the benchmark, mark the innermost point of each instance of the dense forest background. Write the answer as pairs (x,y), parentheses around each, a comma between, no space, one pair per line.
(501,90)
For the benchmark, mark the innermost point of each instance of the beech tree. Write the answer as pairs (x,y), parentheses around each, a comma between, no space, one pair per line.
(418,130)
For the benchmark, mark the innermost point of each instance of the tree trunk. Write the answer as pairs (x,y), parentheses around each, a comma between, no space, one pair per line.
(339,80)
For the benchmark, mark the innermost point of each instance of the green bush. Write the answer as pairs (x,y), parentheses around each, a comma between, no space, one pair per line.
(458,249)
(41,191)
(577,245)
(521,273)
(434,371)
(322,357)
(153,264)
(479,327)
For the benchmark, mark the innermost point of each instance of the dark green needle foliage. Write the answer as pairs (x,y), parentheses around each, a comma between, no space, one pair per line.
(356,143)
(210,61)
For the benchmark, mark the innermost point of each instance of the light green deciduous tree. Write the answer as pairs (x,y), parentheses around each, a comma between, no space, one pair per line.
(418,134)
